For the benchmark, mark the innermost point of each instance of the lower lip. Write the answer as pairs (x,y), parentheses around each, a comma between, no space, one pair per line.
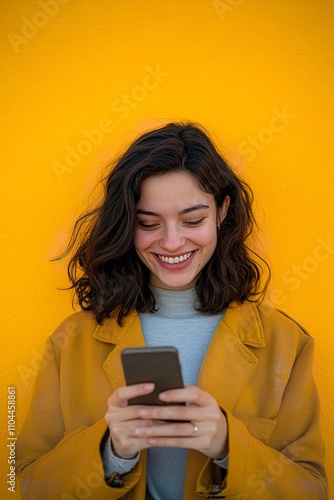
(176,267)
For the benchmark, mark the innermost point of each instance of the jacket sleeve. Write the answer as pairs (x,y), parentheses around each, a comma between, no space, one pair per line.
(291,464)
(54,464)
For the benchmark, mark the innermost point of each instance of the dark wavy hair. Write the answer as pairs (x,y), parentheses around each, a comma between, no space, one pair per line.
(105,271)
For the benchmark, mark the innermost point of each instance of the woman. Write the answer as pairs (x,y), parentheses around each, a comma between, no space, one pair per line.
(163,261)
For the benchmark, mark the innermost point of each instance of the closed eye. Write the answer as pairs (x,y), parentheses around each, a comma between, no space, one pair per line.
(147,226)
(155,225)
(195,222)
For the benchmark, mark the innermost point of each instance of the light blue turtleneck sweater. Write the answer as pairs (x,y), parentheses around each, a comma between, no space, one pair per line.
(178,324)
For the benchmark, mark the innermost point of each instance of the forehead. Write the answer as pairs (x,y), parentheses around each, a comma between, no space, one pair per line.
(175,190)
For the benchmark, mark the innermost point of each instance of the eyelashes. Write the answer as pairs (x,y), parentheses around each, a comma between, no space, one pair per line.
(149,227)
(195,223)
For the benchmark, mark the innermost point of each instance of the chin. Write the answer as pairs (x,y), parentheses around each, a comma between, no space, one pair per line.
(183,285)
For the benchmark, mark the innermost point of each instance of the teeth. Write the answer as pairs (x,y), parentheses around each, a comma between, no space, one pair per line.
(175,260)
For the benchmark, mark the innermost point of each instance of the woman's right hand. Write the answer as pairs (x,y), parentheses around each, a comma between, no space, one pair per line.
(123,419)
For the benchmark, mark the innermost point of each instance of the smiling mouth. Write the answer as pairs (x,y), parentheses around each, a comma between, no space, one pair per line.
(175,260)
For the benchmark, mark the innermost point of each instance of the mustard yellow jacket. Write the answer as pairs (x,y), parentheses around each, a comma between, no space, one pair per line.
(259,369)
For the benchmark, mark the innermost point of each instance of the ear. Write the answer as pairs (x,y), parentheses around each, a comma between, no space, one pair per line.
(222,211)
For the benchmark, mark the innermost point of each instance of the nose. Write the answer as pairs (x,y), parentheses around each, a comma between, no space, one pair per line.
(172,239)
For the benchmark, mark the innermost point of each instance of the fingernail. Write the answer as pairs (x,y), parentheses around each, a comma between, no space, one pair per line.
(148,387)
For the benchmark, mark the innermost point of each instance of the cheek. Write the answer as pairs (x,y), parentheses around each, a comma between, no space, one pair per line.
(207,238)
(141,240)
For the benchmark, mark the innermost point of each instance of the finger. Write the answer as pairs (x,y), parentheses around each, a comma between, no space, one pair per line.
(189,394)
(124,443)
(121,395)
(177,442)
(182,429)
(171,413)
(202,439)
(126,415)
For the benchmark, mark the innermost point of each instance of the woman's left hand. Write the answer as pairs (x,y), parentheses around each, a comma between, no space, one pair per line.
(203,425)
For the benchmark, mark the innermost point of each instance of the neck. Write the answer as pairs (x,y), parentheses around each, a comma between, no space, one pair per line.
(175,303)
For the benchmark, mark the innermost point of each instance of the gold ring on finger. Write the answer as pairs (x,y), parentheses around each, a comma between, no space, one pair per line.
(195,428)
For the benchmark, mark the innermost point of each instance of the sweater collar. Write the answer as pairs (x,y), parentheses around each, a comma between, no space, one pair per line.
(242,320)
(174,303)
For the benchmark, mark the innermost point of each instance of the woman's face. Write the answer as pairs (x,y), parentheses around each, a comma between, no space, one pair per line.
(176,230)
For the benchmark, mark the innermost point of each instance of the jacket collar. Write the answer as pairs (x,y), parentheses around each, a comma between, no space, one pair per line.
(112,333)
(242,320)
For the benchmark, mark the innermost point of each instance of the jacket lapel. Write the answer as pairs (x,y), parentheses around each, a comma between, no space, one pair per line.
(227,366)
(229,363)
(119,338)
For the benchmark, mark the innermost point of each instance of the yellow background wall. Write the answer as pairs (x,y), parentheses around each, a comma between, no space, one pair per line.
(82,78)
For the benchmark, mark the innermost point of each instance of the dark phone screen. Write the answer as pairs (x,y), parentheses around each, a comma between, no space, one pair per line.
(159,365)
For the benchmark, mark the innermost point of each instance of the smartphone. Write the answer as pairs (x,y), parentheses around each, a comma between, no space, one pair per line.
(159,365)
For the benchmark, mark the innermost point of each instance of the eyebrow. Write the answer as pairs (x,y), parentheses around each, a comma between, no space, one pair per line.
(185,211)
